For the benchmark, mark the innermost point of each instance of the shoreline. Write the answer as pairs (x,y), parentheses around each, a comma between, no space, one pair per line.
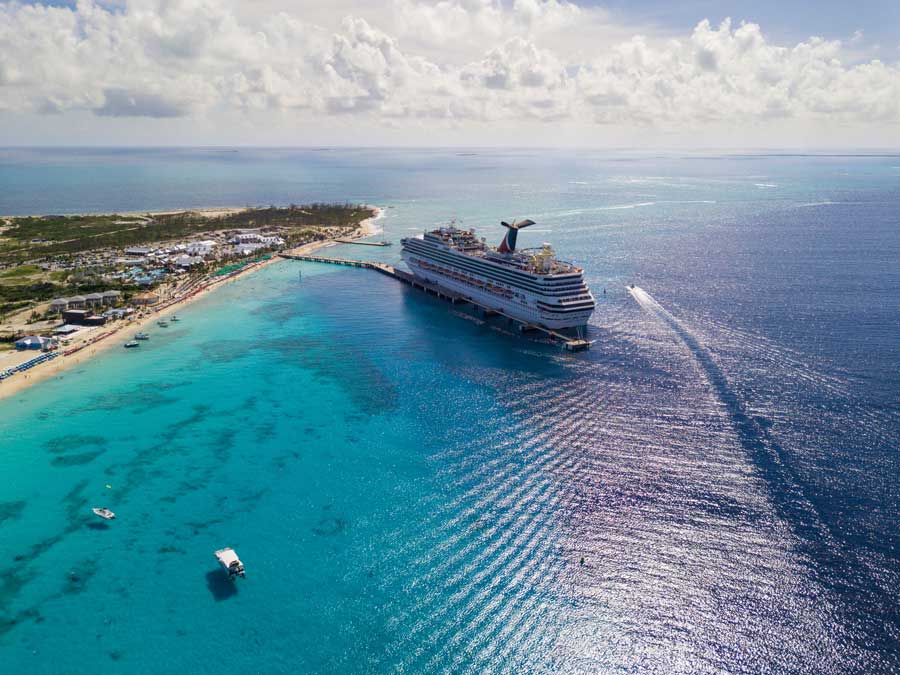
(122,331)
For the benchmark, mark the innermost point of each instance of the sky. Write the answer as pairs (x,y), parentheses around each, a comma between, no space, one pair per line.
(645,74)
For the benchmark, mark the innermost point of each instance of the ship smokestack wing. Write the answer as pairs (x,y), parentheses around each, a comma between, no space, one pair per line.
(508,245)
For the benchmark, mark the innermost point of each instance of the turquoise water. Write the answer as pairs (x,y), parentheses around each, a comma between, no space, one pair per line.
(413,491)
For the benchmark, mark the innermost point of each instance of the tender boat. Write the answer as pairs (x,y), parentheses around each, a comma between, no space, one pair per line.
(104,513)
(132,344)
(174,318)
(230,561)
(142,336)
(162,324)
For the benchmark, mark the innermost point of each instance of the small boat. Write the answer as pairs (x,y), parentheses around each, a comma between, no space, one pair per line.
(104,513)
(131,344)
(229,560)
(142,336)
(162,324)
(174,318)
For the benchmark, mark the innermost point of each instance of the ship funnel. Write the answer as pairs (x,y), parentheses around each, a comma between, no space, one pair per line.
(508,245)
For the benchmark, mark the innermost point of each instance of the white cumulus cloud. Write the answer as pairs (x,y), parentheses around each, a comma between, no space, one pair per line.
(435,62)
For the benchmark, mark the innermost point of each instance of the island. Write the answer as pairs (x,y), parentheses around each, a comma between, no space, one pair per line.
(73,282)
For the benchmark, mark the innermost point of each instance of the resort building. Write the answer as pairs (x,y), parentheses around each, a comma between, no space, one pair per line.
(111,297)
(137,251)
(245,238)
(256,238)
(66,329)
(93,299)
(247,249)
(76,302)
(186,261)
(201,248)
(75,316)
(145,299)
(59,305)
(94,320)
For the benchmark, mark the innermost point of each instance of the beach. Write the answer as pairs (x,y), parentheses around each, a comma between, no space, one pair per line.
(118,332)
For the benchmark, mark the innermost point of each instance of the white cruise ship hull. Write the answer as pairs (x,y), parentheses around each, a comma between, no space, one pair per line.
(495,295)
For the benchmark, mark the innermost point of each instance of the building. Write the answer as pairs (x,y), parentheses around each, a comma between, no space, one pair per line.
(111,297)
(186,261)
(93,299)
(247,249)
(245,238)
(118,313)
(35,342)
(145,299)
(76,302)
(65,329)
(256,238)
(137,251)
(59,305)
(201,248)
(75,316)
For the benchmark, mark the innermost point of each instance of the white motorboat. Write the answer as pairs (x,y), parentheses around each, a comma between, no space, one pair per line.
(230,561)
(104,513)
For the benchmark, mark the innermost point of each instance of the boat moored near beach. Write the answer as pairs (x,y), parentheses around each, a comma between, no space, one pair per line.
(131,344)
(142,336)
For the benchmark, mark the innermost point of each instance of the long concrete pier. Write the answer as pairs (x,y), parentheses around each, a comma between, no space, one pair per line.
(571,344)
(357,242)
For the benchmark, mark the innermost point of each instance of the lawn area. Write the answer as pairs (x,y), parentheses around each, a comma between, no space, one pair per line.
(20,271)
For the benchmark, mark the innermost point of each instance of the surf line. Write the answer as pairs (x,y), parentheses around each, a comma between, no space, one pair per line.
(798,510)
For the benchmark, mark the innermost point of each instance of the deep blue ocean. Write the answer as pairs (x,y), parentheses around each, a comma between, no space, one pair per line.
(412,490)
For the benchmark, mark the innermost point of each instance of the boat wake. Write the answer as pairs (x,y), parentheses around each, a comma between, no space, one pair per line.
(786,490)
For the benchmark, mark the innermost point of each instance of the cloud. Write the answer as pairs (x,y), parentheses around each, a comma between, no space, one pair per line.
(540,60)
(123,103)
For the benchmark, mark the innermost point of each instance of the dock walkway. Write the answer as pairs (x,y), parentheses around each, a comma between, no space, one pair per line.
(356,242)
(571,344)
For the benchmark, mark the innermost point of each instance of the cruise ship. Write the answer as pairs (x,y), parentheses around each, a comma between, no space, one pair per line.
(530,285)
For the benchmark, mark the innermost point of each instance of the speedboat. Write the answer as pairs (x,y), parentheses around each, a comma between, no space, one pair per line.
(142,336)
(132,344)
(229,560)
(104,513)
(162,324)
(174,318)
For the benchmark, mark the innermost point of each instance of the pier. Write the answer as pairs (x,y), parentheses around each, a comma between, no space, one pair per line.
(362,243)
(570,344)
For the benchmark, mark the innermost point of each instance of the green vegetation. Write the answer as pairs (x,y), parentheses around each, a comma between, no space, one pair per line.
(86,246)
(20,271)
(31,238)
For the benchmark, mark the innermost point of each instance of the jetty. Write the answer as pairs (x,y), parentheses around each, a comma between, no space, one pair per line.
(356,242)
(569,343)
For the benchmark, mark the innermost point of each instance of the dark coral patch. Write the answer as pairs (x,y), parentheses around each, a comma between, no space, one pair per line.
(77,459)
(70,442)
(11,510)
(329,527)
